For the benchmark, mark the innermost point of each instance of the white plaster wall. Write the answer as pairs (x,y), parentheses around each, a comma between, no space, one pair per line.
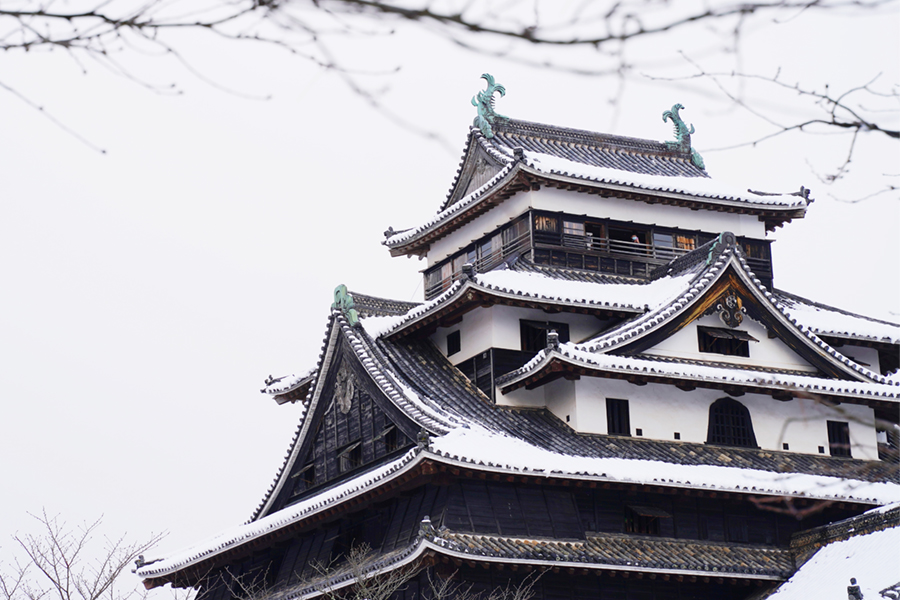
(619,209)
(535,398)
(648,214)
(661,410)
(868,357)
(475,334)
(560,399)
(766,352)
(483,225)
(498,327)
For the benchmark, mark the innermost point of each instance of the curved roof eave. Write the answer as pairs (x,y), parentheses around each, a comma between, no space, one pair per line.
(404,242)
(456,294)
(728,256)
(445,451)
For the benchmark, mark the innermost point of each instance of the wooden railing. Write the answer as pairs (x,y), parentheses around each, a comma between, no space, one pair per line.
(483,264)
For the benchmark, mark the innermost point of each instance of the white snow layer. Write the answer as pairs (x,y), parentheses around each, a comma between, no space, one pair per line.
(623,295)
(694,186)
(832,322)
(476,444)
(243,533)
(873,559)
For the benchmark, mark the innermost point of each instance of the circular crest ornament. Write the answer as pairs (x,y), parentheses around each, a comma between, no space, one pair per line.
(731,311)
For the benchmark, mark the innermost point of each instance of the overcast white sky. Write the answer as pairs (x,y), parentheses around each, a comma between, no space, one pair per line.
(148,292)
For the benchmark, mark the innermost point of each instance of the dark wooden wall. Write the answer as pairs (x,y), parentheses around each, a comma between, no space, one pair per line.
(369,417)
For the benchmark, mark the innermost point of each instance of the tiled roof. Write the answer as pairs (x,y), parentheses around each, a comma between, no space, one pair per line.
(372,306)
(429,372)
(634,155)
(523,265)
(632,552)
(614,552)
(440,399)
(646,167)
(706,265)
(835,322)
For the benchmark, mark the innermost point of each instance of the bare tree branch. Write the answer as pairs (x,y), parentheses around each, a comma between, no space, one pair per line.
(69,564)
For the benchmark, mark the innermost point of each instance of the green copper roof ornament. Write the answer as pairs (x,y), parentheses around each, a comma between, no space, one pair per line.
(682,135)
(484,102)
(343,300)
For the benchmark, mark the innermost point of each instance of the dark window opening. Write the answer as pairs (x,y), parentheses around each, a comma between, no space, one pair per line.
(644,519)
(393,439)
(839,438)
(617,419)
(350,457)
(349,536)
(304,479)
(453,343)
(479,370)
(534,334)
(730,424)
(731,342)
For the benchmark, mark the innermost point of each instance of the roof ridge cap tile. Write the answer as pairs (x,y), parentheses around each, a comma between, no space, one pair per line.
(620,142)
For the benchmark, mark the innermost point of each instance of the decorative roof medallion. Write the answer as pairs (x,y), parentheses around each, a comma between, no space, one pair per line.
(344,388)
(682,135)
(731,310)
(343,301)
(484,102)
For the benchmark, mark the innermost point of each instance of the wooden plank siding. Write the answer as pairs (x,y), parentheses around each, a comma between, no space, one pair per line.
(369,415)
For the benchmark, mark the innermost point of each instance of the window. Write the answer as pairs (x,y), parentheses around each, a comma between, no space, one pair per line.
(304,479)
(730,424)
(453,343)
(731,342)
(545,223)
(685,241)
(350,457)
(391,439)
(839,438)
(644,519)
(573,228)
(617,421)
(534,334)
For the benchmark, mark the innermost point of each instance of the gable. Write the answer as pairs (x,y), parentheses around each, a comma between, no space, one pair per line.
(730,305)
(352,427)
(709,339)
(477,168)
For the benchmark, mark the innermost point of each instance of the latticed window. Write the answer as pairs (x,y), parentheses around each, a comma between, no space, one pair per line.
(730,424)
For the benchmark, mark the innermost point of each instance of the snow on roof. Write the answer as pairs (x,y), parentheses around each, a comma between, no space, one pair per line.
(241,534)
(288,383)
(573,354)
(872,559)
(702,187)
(451,210)
(722,253)
(475,444)
(636,296)
(625,296)
(546,164)
(830,321)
